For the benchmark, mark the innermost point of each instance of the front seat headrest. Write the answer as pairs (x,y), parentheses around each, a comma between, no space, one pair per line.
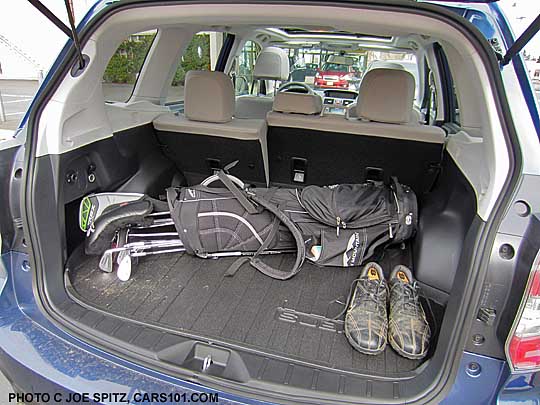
(297,103)
(386,95)
(208,96)
(272,64)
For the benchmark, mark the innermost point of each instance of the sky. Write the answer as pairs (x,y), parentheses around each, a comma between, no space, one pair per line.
(521,13)
(30,31)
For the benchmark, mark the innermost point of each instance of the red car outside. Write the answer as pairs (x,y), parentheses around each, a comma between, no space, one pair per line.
(334,75)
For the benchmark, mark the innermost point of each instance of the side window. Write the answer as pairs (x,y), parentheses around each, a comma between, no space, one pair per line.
(125,65)
(244,64)
(196,56)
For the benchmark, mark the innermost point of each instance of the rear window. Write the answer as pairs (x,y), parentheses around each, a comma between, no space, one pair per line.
(335,67)
(125,65)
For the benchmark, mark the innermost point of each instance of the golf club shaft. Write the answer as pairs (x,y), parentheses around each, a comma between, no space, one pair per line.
(157,252)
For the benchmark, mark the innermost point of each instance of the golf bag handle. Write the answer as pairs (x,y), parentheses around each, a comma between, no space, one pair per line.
(211,179)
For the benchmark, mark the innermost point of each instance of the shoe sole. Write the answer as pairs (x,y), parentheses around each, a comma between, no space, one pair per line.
(405,354)
(364,350)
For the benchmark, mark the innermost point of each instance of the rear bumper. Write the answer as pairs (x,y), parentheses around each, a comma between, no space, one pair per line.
(334,86)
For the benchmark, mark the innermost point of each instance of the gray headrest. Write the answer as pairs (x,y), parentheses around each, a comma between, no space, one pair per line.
(298,103)
(208,96)
(272,64)
(386,95)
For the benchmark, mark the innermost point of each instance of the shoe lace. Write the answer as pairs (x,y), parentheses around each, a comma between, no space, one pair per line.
(370,290)
(408,298)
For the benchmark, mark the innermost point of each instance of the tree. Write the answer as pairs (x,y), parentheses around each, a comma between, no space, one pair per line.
(128,59)
(199,45)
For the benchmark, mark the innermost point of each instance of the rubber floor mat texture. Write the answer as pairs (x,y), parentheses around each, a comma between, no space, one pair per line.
(291,318)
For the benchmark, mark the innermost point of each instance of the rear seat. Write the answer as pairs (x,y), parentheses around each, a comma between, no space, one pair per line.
(207,137)
(332,149)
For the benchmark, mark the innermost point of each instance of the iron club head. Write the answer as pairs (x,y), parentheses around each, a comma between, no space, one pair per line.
(106,262)
(124,268)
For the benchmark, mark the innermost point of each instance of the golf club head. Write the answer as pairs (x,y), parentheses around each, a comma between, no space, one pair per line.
(121,255)
(122,240)
(124,268)
(106,262)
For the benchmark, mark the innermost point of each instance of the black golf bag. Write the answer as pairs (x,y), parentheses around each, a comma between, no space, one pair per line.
(339,225)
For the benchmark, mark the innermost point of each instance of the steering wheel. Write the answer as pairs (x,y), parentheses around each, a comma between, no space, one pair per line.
(293,87)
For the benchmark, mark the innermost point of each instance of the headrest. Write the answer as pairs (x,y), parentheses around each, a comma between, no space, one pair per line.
(208,96)
(299,103)
(386,95)
(272,64)
(382,64)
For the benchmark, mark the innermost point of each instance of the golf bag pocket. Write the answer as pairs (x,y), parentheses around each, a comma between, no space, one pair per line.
(213,221)
(355,219)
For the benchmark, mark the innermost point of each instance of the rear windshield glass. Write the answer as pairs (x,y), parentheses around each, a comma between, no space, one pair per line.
(335,67)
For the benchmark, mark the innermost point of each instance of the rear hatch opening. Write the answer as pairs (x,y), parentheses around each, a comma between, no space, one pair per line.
(250,334)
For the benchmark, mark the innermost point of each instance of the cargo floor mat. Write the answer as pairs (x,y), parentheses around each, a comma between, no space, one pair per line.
(290,318)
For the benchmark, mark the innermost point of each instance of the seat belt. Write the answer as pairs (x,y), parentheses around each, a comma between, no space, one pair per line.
(434,170)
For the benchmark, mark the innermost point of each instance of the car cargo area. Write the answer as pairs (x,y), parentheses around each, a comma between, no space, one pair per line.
(293,318)
(299,320)
(320,107)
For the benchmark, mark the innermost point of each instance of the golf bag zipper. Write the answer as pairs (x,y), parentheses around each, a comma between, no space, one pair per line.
(340,223)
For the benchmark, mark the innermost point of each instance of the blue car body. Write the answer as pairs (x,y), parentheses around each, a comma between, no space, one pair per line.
(39,357)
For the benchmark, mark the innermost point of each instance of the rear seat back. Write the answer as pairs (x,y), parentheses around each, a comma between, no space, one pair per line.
(332,149)
(207,136)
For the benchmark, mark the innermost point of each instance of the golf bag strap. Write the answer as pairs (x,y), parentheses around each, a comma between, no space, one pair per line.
(233,268)
(397,186)
(300,246)
(188,233)
(238,194)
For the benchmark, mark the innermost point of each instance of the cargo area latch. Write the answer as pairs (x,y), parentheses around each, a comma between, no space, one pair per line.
(206,358)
